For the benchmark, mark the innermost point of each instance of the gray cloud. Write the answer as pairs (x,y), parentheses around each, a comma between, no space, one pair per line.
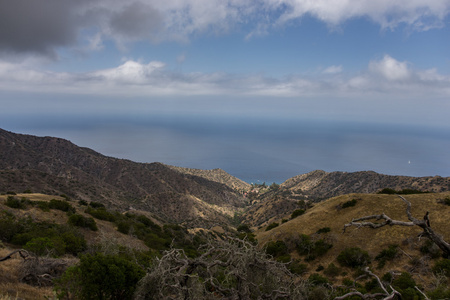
(136,21)
(40,27)
(37,26)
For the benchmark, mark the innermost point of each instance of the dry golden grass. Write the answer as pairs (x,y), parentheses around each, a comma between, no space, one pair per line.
(10,286)
(326,214)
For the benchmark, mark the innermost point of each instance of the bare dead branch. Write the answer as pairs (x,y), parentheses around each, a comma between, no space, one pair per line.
(423,294)
(23,253)
(386,294)
(424,224)
(231,269)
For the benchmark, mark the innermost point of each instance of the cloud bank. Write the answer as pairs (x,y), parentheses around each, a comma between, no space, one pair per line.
(41,27)
(385,75)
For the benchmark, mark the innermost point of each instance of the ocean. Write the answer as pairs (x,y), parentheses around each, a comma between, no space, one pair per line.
(256,149)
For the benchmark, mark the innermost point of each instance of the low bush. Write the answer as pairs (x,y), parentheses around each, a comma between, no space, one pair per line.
(101,213)
(271,226)
(353,257)
(442,267)
(81,221)
(297,212)
(312,250)
(100,276)
(386,255)
(332,270)
(277,248)
(94,204)
(324,230)
(349,203)
(244,228)
(317,279)
(61,205)
(13,202)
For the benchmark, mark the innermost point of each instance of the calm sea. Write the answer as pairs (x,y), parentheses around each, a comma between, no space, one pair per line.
(257,150)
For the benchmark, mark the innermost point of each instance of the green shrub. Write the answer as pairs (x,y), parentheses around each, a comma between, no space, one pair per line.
(304,245)
(94,204)
(386,255)
(324,230)
(60,205)
(332,270)
(405,285)
(54,246)
(244,228)
(297,268)
(442,267)
(13,202)
(101,214)
(9,226)
(353,257)
(272,226)
(74,242)
(446,201)
(81,221)
(43,205)
(100,276)
(388,191)
(277,248)
(123,227)
(83,202)
(431,249)
(297,212)
(311,249)
(317,279)
(349,203)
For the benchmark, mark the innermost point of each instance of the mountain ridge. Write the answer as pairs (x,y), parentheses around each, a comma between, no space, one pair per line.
(85,174)
(196,197)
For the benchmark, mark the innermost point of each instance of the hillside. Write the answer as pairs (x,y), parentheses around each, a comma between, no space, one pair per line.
(56,166)
(331,214)
(217,175)
(320,184)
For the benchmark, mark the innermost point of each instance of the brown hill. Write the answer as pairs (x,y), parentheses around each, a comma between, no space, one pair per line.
(329,213)
(321,185)
(217,175)
(57,166)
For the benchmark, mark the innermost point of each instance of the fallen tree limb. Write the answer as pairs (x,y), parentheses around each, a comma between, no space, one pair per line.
(23,253)
(424,224)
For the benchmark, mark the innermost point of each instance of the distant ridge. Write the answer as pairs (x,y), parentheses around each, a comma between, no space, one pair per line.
(57,166)
(321,184)
(217,175)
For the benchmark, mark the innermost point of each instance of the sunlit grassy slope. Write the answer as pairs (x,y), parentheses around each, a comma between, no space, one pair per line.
(327,214)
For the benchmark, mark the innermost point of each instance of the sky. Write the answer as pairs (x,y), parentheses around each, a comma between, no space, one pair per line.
(87,64)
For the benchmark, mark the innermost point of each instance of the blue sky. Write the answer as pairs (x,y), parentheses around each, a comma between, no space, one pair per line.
(384,61)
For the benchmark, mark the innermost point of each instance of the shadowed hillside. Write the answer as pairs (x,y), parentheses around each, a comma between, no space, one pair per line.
(320,184)
(56,166)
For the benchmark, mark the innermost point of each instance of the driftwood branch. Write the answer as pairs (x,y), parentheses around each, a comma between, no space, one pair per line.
(425,224)
(385,294)
(23,253)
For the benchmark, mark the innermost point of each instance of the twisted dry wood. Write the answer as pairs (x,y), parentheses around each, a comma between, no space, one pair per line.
(424,224)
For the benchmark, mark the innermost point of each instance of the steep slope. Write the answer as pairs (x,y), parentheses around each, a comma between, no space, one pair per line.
(217,175)
(320,184)
(53,165)
(331,214)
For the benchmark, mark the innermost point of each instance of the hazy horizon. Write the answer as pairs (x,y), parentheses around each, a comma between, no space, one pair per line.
(256,150)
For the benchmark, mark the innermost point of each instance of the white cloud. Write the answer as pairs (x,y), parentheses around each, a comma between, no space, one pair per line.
(420,14)
(333,70)
(134,78)
(162,20)
(390,68)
